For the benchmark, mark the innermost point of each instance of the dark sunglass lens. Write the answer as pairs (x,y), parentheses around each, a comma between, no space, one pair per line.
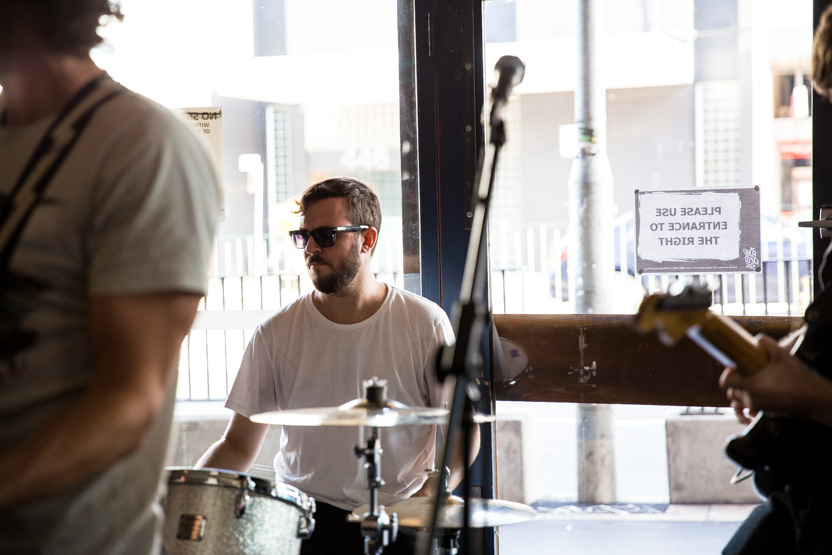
(325,237)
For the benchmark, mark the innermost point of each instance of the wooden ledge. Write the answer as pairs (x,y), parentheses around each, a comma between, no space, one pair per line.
(603,359)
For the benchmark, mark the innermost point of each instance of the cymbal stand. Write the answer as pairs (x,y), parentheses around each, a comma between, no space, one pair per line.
(378,528)
(446,541)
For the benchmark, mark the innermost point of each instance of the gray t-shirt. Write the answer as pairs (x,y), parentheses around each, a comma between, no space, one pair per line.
(131,210)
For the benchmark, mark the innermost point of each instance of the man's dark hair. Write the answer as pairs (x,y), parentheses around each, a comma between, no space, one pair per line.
(363,207)
(69,26)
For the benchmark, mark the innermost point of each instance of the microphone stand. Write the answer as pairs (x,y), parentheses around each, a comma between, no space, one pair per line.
(461,359)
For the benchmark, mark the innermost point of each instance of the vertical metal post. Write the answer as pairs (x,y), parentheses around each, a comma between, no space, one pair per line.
(590,251)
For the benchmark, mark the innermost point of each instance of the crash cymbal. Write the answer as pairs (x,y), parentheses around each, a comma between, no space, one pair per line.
(359,412)
(417,512)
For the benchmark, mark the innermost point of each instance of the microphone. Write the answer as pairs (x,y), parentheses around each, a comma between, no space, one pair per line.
(510,71)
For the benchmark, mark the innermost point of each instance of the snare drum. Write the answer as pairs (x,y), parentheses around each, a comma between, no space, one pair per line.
(211,511)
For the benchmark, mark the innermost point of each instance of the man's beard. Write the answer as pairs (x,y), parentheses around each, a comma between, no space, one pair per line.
(341,275)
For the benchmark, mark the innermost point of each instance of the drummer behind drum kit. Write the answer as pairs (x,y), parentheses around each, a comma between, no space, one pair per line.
(211,511)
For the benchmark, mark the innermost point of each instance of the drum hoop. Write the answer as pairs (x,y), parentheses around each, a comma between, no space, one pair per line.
(290,493)
(218,477)
(226,478)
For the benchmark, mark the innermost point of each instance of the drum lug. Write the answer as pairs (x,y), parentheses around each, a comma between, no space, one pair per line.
(306,525)
(242,502)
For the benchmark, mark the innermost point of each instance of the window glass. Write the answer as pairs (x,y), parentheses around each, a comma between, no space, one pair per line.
(700,94)
(302,98)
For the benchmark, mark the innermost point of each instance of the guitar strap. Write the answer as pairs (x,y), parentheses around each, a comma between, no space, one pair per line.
(31,185)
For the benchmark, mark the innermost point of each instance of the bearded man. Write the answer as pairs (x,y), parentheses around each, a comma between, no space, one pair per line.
(318,351)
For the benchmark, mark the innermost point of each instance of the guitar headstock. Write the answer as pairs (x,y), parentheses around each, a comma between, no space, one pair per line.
(672,315)
(687,313)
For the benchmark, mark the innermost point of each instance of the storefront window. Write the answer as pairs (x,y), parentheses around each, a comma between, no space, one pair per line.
(300,98)
(700,94)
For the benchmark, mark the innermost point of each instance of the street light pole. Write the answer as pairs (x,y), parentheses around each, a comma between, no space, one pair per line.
(590,250)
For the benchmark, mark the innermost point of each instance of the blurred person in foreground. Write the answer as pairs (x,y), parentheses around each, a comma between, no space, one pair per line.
(108,206)
(796,383)
(317,352)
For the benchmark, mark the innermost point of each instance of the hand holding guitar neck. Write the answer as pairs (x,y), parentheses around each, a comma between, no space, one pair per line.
(765,444)
(688,314)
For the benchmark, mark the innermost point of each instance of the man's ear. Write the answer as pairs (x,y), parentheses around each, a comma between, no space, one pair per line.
(370,239)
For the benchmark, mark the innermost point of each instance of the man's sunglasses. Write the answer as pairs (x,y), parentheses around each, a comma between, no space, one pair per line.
(323,236)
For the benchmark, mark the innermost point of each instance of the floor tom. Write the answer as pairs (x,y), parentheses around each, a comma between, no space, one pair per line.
(210,511)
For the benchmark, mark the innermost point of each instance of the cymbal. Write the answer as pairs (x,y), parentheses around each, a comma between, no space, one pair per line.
(359,412)
(417,512)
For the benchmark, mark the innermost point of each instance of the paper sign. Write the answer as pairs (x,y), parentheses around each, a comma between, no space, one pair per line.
(207,123)
(698,231)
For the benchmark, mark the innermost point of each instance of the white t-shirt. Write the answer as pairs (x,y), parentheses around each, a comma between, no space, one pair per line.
(131,210)
(299,359)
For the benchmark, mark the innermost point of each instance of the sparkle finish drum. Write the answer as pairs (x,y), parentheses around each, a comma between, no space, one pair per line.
(210,511)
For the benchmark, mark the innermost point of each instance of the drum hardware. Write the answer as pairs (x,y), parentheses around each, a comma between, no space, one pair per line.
(447,542)
(375,410)
(378,528)
(191,527)
(243,500)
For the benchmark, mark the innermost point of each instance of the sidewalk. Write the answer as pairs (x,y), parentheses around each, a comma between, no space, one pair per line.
(624,530)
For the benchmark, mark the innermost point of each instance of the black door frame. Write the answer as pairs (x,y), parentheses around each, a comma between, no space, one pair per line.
(821,157)
(442,83)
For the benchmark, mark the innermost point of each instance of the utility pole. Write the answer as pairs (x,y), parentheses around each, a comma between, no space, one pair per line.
(590,249)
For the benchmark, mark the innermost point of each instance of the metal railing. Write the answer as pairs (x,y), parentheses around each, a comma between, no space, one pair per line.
(534,281)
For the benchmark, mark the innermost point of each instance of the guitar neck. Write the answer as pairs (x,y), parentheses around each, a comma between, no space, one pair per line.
(729,343)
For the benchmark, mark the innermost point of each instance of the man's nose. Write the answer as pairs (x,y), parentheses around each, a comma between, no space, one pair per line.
(312,246)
